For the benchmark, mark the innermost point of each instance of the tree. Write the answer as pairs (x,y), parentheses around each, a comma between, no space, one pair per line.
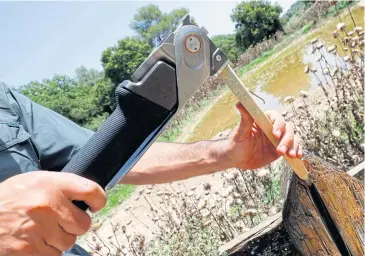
(254,21)
(63,95)
(228,45)
(121,60)
(88,76)
(295,9)
(153,26)
(104,95)
(71,97)
(145,17)
(168,23)
(52,93)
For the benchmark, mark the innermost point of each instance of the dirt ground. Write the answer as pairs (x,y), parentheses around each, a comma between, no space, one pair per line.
(135,213)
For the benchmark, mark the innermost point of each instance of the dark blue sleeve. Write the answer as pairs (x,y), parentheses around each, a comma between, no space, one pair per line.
(56,139)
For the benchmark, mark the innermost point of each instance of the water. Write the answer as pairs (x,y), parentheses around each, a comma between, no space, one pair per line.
(276,79)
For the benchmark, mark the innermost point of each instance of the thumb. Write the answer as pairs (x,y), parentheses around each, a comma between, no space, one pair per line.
(244,128)
(75,187)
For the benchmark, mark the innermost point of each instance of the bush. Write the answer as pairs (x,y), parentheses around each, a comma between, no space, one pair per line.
(95,122)
(192,222)
(255,51)
(312,14)
(307,27)
(254,21)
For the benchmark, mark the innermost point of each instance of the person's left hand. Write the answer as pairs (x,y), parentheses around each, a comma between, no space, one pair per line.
(249,148)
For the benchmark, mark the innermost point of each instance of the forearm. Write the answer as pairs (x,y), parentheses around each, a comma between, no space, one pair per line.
(166,162)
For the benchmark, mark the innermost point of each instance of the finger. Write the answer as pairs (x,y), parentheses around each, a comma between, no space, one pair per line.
(278,123)
(243,130)
(292,152)
(72,219)
(300,151)
(287,139)
(58,238)
(77,188)
(48,250)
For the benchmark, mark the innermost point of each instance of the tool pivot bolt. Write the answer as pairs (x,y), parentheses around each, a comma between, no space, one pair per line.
(192,44)
(218,58)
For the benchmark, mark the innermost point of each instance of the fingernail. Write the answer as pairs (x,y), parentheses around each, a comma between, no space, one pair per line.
(283,149)
(277,133)
(300,152)
(292,152)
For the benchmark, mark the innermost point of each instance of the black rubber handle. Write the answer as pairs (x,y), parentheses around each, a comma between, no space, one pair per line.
(126,129)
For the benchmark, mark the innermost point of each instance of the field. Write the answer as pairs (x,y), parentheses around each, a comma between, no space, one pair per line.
(196,216)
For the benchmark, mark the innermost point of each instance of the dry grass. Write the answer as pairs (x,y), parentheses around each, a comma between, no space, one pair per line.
(190,223)
(206,91)
(255,51)
(333,128)
(312,14)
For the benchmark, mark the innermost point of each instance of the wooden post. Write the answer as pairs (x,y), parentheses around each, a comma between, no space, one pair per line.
(342,195)
(272,237)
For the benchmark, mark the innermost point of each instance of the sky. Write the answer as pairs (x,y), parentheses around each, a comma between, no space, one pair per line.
(40,39)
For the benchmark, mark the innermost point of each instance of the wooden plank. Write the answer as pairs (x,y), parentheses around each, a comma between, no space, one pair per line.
(267,238)
(357,170)
(253,233)
(270,237)
(343,197)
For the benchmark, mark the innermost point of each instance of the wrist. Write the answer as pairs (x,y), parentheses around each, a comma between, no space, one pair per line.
(219,154)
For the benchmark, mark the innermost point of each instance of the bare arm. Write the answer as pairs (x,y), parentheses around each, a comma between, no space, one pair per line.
(165,162)
(246,148)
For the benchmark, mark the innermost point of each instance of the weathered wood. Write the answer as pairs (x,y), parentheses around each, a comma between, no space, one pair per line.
(343,196)
(267,238)
(357,171)
(271,238)
(304,225)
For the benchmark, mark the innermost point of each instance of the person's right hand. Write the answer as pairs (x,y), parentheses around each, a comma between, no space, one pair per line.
(37,216)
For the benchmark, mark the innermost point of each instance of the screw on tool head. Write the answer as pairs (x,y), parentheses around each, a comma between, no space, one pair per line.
(192,44)
(218,58)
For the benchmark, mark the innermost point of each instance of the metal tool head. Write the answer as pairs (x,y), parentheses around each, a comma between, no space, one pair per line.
(193,55)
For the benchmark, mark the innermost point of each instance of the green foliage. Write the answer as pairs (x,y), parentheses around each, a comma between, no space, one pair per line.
(95,122)
(121,60)
(153,26)
(79,99)
(167,24)
(115,196)
(170,135)
(263,57)
(296,9)
(88,98)
(255,20)
(88,76)
(104,96)
(307,27)
(228,45)
(64,95)
(344,3)
(267,54)
(273,191)
(145,17)
(340,5)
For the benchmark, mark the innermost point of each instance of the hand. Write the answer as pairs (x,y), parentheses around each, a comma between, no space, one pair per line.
(37,216)
(249,148)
